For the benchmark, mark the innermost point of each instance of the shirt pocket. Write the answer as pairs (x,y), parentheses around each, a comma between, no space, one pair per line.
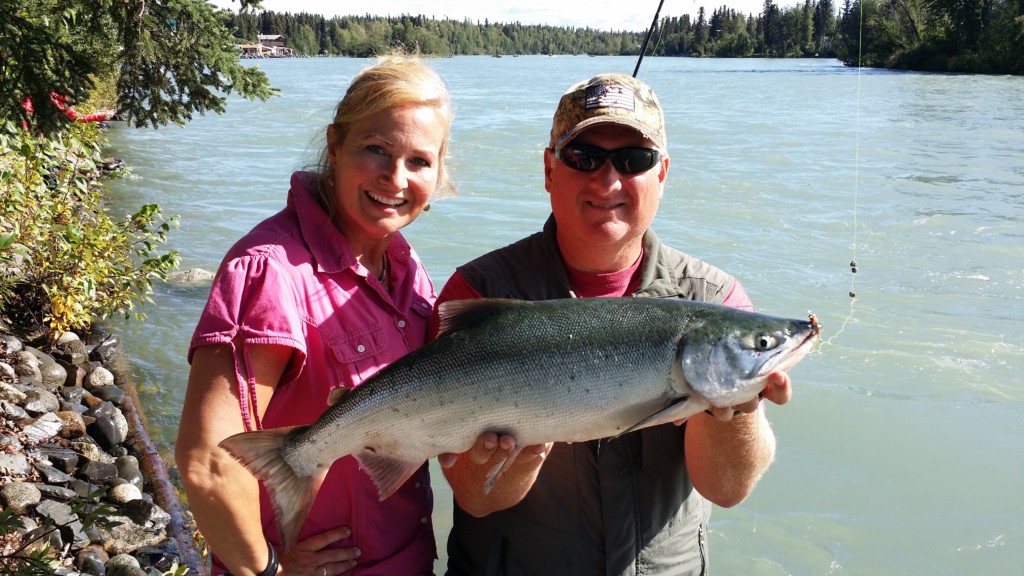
(355,351)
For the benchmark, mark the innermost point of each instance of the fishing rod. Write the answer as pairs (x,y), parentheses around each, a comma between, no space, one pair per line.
(650,31)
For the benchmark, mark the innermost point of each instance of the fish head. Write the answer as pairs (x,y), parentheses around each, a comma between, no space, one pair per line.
(727,355)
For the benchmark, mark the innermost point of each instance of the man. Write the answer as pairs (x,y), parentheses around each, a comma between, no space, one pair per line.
(639,503)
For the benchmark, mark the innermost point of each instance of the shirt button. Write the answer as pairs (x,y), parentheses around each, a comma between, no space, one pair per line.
(360,348)
(424,520)
(417,485)
(401,323)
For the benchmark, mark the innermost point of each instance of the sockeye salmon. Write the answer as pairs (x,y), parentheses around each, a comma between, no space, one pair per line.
(559,370)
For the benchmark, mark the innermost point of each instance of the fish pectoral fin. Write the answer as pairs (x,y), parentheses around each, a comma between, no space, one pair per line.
(678,409)
(387,472)
(496,472)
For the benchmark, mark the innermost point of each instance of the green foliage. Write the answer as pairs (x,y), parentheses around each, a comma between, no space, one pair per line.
(169,59)
(61,250)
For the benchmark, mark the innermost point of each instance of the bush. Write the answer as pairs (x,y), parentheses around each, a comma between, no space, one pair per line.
(65,260)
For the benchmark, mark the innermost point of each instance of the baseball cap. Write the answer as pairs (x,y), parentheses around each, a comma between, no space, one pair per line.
(608,98)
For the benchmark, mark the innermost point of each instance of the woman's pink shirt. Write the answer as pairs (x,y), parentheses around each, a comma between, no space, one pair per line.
(292,281)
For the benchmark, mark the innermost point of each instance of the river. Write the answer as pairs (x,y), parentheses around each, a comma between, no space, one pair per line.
(902,451)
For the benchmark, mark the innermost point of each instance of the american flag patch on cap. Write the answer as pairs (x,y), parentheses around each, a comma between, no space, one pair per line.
(609,96)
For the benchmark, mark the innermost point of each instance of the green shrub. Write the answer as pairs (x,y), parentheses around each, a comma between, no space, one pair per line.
(65,260)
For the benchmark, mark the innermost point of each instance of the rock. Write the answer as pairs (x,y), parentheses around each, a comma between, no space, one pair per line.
(50,474)
(128,469)
(76,372)
(59,512)
(61,458)
(105,349)
(127,536)
(92,560)
(94,471)
(11,394)
(58,493)
(110,393)
(124,494)
(72,424)
(12,411)
(65,338)
(190,277)
(123,561)
(53,375)
(145,513)
(39,401)
(7,371)
(45,427)
(106,432)
(98,378)
(11,344)
(14,465)
(91,451)
(20,497)
(10,441)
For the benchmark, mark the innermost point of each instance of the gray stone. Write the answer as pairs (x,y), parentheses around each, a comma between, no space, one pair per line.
(7,371)
(11,441)
(65,338)
(73,393)
(128,536)
(92,560)
(91,451)
(123,561)
(53,375)
(64,459)
(94,471)
(160,558)
(66,406)
(20,497)
(128,468)
(145,513)
(98,377)
(48,534)
(45,427)
(124,494)
(12,411)
(11,394)
(39,401)
(58,493)
(59,512)
(14,464)
(76,372)
(106,432)
(111,393)
(51,475)
(105,349)
(12,344)
(27,364)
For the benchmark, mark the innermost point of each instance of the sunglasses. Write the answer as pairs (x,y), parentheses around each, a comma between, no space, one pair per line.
(587,158)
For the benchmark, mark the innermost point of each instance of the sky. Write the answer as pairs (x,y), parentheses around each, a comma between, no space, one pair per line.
(614,15)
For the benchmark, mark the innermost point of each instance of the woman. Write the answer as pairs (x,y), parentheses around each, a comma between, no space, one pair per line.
(321,295)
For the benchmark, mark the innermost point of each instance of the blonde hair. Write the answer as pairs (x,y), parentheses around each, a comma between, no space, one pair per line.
(395,80)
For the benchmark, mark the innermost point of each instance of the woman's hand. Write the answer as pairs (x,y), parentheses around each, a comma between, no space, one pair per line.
(313,557)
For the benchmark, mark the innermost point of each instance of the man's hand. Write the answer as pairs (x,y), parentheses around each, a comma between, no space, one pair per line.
(778,391)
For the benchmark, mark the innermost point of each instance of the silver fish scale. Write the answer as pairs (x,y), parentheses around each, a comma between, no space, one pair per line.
(537,371)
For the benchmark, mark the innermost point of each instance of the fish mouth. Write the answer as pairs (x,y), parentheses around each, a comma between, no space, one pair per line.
(793,355)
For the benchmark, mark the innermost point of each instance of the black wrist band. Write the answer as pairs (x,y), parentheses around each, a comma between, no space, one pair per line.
(271,568)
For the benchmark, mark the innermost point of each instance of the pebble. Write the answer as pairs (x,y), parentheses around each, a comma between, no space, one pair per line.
(64,438)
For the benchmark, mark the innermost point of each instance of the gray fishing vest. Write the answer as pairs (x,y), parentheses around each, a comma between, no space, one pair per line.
(620,506)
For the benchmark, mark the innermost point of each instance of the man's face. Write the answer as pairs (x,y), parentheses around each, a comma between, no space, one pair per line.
(602,215)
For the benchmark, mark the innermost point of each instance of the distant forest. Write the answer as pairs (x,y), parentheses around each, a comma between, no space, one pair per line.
(984,36)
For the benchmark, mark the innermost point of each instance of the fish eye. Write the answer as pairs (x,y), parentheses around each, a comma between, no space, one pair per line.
(763,342)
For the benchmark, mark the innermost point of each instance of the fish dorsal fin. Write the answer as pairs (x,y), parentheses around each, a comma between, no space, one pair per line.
(458,314)
(387,472)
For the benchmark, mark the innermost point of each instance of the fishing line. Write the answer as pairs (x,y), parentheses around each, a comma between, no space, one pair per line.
(856,185)
(650,31)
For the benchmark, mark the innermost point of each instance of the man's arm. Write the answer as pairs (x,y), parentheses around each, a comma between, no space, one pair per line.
(727,452)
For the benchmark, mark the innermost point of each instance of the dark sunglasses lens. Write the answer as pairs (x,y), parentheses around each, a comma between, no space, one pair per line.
(582,158)
(634,160)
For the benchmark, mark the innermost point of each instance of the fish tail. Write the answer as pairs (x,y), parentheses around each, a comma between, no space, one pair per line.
(291,494)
